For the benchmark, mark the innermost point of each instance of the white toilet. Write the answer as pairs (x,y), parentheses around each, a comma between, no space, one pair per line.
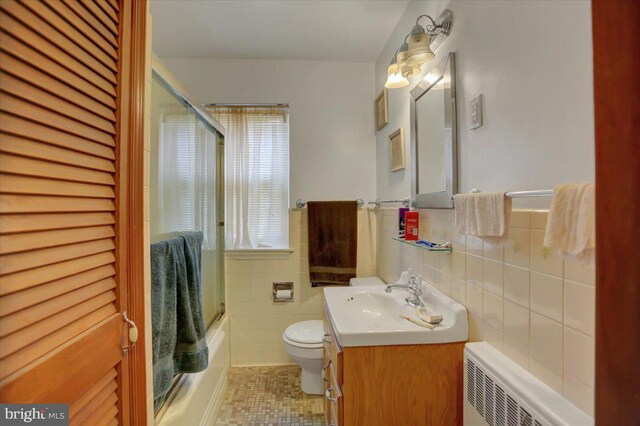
(303,343)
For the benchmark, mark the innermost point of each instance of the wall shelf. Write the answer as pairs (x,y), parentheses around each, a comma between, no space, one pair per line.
(422,246)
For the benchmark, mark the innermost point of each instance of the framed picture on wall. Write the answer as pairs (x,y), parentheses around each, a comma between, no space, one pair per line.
(381,110)
(396,145)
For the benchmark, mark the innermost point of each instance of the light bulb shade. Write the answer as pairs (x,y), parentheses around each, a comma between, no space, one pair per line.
(419,51)
(401,56)
(395,80)
(408,70)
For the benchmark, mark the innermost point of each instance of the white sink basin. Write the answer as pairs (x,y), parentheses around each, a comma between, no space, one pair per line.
(368,316)
(371,306)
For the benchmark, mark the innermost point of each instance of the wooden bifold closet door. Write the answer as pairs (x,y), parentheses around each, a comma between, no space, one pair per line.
(65,141)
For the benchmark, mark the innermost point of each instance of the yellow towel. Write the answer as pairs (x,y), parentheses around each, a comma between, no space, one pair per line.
(485,215)
(571,227)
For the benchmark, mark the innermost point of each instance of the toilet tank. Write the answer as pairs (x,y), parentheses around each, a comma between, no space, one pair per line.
(362,281)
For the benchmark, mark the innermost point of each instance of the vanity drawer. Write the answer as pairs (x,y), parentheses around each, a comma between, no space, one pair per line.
(328,409)
(334,357)
(333,401)
(326,366)
(332,350)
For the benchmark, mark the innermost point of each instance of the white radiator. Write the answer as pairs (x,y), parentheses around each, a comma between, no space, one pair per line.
(498,392)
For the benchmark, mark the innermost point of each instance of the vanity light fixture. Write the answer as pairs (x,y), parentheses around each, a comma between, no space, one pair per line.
(406,68)
(417,49)
(395,79)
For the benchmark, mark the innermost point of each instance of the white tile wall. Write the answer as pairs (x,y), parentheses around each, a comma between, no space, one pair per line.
(546,350)
(516,333)
(523,299)
(256,322)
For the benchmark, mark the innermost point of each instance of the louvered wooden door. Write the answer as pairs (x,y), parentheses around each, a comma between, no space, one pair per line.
(63,286)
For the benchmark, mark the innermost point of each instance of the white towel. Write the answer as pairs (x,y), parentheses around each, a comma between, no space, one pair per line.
(571,226)
(485,215)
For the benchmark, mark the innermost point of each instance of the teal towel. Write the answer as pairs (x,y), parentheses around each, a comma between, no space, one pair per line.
(191,354)
(178,329)
(167,268)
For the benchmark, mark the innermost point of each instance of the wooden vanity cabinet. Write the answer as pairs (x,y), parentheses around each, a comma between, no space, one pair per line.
(392,385)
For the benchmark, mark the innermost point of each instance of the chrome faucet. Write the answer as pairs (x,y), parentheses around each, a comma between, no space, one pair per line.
(414,289)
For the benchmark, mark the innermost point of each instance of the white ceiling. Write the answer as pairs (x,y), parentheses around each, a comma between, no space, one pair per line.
(331,30)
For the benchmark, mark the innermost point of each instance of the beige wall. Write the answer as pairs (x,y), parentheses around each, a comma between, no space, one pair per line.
(522,299)
(528,303)
(332,141)
(257,323)
(537,88)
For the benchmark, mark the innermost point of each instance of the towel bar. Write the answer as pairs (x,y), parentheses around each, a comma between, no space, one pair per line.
(406,201)
(535,193)
(300,203)
(523,194)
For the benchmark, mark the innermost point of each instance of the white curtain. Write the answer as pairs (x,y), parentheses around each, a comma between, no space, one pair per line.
(187,176)
(256,176)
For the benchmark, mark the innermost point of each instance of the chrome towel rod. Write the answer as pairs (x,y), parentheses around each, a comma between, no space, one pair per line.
(246,105)
(534,193)
(300,203)
(406,201)
(523,194)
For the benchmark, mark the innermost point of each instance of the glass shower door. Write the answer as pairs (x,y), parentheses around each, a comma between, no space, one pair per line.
(185,186)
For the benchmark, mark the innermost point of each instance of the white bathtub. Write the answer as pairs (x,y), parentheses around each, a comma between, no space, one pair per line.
(196,398)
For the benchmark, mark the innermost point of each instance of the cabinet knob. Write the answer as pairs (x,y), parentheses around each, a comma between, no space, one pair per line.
(327,395)
(324,371)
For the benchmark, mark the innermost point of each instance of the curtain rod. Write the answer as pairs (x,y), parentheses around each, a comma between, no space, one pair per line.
(246,105)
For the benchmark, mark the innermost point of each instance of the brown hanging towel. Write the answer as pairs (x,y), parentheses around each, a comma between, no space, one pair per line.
(333,241)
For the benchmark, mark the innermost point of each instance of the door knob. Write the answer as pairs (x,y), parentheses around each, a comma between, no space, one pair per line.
(133,330)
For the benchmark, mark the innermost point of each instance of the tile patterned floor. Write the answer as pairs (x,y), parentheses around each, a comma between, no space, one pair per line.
(266,396)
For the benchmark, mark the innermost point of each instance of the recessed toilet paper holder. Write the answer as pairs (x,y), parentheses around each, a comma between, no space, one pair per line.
(281,290)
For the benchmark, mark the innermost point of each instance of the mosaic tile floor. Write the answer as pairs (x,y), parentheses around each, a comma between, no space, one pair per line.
(261,396)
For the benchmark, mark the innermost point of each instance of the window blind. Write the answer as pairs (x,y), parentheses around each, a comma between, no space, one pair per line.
(187,176)
(256,176)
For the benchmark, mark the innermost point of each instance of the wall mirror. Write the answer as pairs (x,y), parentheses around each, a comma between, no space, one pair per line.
(433,137)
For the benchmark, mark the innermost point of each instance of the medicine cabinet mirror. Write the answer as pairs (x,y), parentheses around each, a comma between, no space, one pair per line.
(434,137)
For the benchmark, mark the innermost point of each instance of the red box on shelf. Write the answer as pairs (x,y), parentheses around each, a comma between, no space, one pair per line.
(411,225)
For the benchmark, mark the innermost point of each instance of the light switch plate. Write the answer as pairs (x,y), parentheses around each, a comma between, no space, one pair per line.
(476,112)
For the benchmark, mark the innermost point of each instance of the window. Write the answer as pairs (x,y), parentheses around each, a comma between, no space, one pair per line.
(256,176)
(187,176)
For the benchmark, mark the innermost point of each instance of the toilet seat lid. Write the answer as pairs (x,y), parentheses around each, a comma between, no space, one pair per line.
(305,332)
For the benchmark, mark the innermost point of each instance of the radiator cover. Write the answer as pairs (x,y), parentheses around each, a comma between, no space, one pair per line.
(498,392)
